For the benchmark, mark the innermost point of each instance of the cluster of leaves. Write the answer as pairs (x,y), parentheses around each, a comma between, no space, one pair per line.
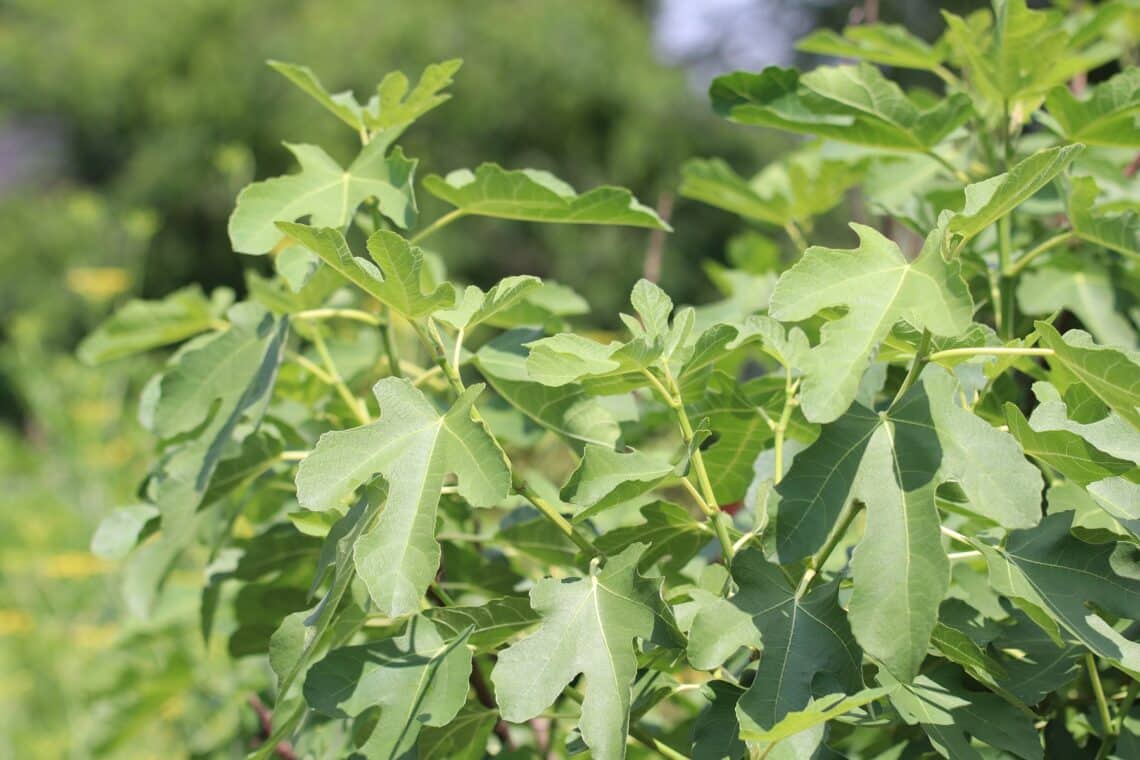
(881,501)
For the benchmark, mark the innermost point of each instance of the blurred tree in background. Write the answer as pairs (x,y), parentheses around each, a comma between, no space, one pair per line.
(127,128)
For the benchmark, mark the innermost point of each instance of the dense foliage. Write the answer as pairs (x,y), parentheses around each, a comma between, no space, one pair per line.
(880,501)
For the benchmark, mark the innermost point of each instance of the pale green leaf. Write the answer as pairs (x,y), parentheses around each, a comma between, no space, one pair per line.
(1112,375)
(536,196)
(416,679)
(991,199)
(397,282)
(413,447)
(142,325)
(1117,231)
(673,535)
(605,478)
(589,627)
(878,287)
(475,307)
(491,624)
(341,104)
(1109,115)
(818,711)
(1083,287)
(855,104)
(394,107)
(325,192)
(119,531)
(795,189)
(885,44)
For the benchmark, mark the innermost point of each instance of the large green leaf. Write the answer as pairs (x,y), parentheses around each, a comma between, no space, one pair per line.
(142,325)
(893,463)
(398,280)
(1112,375)
(530,195)
(807,648)
(325,192)
(416,679)
(991,199)
(950,714)
(878,287)
(412,446)
(854,104)
(1072,582)
(463,738)
(886,44)
(1117,231)
(1110,115)
(588,627)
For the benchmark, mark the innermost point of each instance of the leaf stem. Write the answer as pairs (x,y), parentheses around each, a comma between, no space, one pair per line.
(635,731)
(816,563)
(1004,314)
(960,175)
(309,366)
(551,513)
(1098,691)
(349,398)
(1047,245)
(955,535)
(780,429)
(797,236)
(989,351)
(357,315)
(920,360)
(391,350)
(437,225)
(1122,713)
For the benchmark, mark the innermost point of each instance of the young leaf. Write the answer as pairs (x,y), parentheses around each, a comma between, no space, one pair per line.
(566,410)
(1119,232)
(342,104)
(885,44)
(1112,375)
(605,478)
(491,624)
(394,108)
(807,645)
(991,199)
(397,282)
(1110,115)
(142,325)
(530,195)
(325,192)
(412,446)
(416,679)
(475,307)
(588,627)
(1065,451)
(878,287)
(855,104)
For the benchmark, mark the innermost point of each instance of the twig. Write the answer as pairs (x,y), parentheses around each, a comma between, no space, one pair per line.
(283,749)
(654,252)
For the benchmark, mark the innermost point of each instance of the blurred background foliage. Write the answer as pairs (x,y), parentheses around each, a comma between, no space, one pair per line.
(127,128)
